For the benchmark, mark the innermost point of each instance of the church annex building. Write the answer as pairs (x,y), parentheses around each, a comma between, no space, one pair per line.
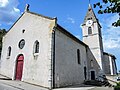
(38,50)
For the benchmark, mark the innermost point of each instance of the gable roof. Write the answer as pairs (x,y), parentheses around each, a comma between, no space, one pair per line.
(30,13)
(62,29)
(41,15)
(104,53)
(58,27)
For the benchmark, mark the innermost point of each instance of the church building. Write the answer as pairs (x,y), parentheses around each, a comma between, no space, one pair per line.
(39,51)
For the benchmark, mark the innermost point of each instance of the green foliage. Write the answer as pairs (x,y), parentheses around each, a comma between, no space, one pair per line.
(110,6)
(118,84)
(2,33)
(117,87)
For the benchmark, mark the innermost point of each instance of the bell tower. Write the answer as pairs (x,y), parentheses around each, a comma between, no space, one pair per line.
(92,35)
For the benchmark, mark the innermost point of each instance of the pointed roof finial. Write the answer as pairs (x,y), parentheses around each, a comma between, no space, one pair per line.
(89,4)
(90,14)
(89,1)
(27,7)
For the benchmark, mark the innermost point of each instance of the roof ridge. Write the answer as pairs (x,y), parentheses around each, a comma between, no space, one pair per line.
(41,15)
(71,35)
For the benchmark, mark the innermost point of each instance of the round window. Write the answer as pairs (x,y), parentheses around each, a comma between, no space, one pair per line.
(21,43)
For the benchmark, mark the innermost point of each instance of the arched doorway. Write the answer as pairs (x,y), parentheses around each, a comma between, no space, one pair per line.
(19,67)
(92,75)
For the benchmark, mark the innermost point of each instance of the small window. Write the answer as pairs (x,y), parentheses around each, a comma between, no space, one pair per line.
(89,18)
(99,31)
(89,30)
(78,56)
(36,47)
(21,44)
(9,52)
(23,31)
(91,63)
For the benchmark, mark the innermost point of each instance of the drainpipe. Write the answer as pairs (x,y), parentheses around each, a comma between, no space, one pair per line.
(53,56)
(53,60)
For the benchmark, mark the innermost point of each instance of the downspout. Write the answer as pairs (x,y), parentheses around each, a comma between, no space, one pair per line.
(53,56)
(53,62)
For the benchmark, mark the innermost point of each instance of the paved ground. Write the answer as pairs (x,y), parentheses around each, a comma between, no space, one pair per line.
(6,87)
(101,88)
(77,88)
(18,85)
(86,88)
(6,84)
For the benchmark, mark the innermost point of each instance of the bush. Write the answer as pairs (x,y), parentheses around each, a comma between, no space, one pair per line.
(117,87)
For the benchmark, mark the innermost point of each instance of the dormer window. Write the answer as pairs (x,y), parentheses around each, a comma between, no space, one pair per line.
(89,30)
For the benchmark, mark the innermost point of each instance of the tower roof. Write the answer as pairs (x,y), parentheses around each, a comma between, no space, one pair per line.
(90,15)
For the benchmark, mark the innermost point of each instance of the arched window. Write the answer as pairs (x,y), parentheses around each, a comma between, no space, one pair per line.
(36,47)
(9,52)
(91,63)
(89,30)
(78,56)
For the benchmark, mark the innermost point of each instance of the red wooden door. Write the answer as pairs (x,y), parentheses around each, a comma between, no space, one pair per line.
(19,67)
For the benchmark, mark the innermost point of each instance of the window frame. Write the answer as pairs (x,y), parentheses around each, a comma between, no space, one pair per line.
(9,52)
(21,44)
(36,48)
(91,63)
(78,56)
(89,30)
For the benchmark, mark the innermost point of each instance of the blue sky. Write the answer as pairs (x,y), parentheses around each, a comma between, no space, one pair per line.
(70,14)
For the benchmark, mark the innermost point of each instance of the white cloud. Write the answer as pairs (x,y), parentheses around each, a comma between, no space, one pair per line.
(3,3)
(71,20)
(9,11)
(111,35)
(16,10)
(112,43)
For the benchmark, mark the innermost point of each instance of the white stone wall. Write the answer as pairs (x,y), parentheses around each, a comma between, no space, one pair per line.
(114,66)
(94,26)
(36,69)
(94,66)
(109,65)
(94,41)
(67,69)
(106,64)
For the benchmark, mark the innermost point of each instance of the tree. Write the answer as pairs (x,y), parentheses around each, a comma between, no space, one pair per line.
(2,33)
(110,6)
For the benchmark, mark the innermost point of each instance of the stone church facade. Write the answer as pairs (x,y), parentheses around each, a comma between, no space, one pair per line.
(37,50)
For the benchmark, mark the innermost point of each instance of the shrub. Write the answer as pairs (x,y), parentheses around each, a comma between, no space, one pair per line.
(117,87)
